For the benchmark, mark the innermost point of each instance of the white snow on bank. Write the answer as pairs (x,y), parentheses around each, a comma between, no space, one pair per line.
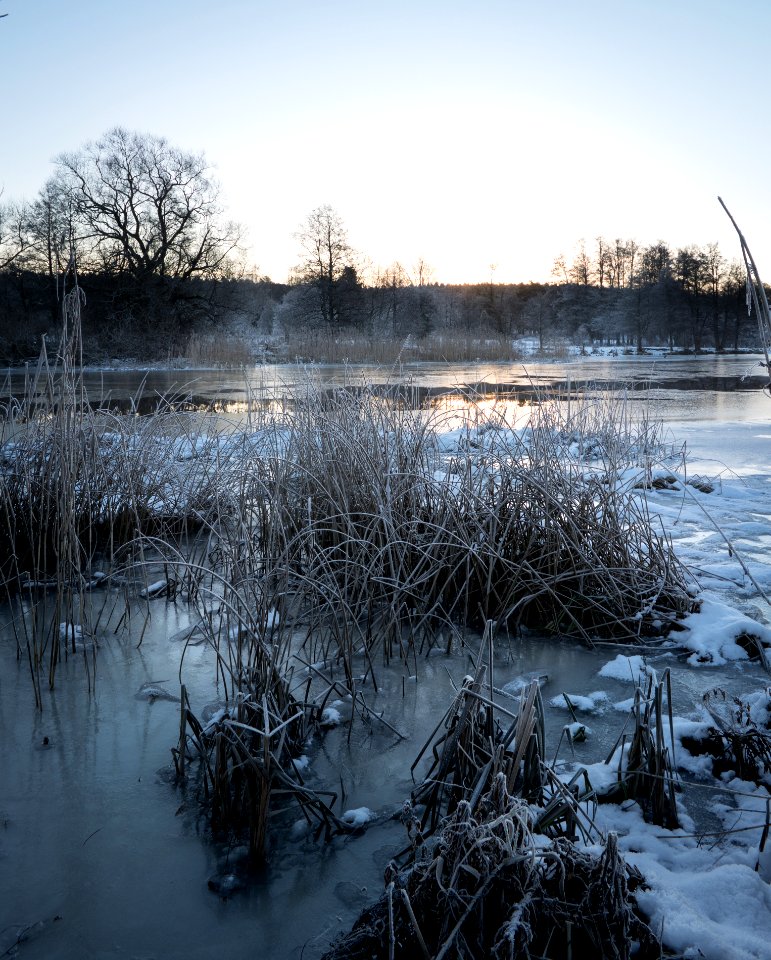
(704,904)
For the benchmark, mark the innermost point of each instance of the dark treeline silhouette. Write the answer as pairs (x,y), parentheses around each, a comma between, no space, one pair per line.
(161,265)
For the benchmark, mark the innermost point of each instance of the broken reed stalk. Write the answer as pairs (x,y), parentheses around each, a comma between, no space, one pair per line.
(470,747)
(736,740)
(646,758)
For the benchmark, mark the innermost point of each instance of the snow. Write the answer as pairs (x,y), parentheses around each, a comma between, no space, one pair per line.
(301,763)
(154,588)
(713,630)
(577,731)
(628,669)
(724,912)
(586,703)
(705,905)
(330,717)
(624,706)
(358,817)
(70,631)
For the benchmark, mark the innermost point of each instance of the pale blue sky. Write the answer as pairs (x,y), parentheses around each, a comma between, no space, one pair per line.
(468,133)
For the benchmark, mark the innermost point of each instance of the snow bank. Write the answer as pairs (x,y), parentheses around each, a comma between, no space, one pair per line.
(705,906)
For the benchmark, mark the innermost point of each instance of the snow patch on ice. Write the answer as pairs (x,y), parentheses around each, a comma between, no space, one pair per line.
(330,717)
(628,669)
(358,817)
(587,703)
(711,633)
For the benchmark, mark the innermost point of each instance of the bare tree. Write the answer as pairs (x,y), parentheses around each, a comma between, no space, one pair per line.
(16,239)
(327,260)
(581,269)
(560,268)
(424,272)
(147,208)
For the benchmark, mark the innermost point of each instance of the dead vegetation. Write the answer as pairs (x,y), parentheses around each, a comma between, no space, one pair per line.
(645,758)
(345,512)
(487,889)
(739,738)
(244,757)
(492,868)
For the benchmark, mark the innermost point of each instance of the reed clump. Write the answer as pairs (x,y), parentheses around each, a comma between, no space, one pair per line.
(739,736)
(244,760)
(351,513)
(479,740)
(78,484)
(476,741)
(646,764)
(487,889)
(380,538)
(493,866)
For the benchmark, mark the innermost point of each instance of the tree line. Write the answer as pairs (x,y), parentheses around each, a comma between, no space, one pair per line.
(157,257)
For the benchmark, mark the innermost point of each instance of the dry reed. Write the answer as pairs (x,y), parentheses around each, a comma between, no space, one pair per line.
(487,889)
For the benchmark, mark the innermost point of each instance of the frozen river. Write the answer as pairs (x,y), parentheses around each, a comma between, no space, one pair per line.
(96,859)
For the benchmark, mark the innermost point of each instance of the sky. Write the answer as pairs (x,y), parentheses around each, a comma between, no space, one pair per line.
(486,137)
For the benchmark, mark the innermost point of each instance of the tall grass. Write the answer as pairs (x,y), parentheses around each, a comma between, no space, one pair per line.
(341,516)
(361,348)
(78,484)
(218,350)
